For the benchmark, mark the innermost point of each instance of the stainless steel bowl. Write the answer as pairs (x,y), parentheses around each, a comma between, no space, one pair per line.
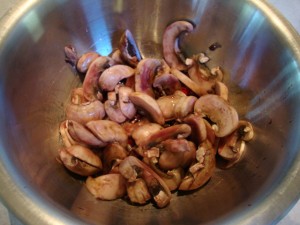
(260,51)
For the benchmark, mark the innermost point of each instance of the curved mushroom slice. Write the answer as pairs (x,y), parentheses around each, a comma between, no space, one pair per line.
(80,134)
(245,130)
(196,122)
(112,108)
(108,131)
(90,83)
(192,85)
(219,112)
(85,112)
(166,83)
(107,187)
(132,168)
(175,131)
(71,55)
(144,131)
(177,153)
(174,178)
(127,107)
(221,90)
(65,136)
(167,104)
(148,105)
(184,107)
(80,160)
(144,75)
(217,73)
(112,155)
(113,75)
(170,43)
(202,170)
(129,49)
(85,61)
(138,192)
(116,55)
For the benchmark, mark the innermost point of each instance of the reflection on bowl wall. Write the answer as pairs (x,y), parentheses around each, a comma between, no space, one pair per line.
(260,53)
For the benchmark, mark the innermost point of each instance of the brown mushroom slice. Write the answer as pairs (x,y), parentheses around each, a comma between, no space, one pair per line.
(80,160)
(71,55)
(219,112)
(174,178)
(170,41)
(112,155)
(175,131)
(184,107)
(192,85)
(77,96)
(144,131)
(108,131)
(113,75)
(107,187)
(226,164)
(149,105)
(138,192)
(176,153)
(113,109)
(166,83)
(245,130)
(85,112)
(129,49)
(203,172)
(127,107)
(217,73)
(81,134)
(132,168)
(90,83)
(85,61)
(221,90)
(66,138)
(199,130)
(116,55)
(167,104)
(145,73)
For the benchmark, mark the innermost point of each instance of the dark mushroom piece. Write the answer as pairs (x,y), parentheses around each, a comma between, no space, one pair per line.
(85,61)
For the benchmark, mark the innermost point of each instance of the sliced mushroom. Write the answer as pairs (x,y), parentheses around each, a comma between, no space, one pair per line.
(132,168)
(116,55)
(184,107)
(112,155)
(138,192)
(80,134)
(221,90)
(85,61)
(170,43)
(108,131)
(168,103)
(196,177)
(77,96)
(177,153)
(71,55)
(192,85)
(129,49)
(219,112)
(127,107)
(85,112)
(175,131)
(107,187)
(90,83)
(113,75)
(174,178)
(196,122)
(144,131)
(144,75)
(113,109)
(166,83)
(80,160)
(148,105)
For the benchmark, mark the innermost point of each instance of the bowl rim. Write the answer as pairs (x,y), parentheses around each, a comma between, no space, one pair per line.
(31,209)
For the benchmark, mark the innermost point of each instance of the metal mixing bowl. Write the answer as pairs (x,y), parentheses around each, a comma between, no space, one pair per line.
(260,52)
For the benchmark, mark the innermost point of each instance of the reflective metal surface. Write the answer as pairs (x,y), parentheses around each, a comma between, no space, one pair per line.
(260,52)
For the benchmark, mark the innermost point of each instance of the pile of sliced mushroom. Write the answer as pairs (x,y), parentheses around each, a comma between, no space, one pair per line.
(141,128)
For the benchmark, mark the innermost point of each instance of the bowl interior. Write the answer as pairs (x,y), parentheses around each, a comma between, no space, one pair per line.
(262,72)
